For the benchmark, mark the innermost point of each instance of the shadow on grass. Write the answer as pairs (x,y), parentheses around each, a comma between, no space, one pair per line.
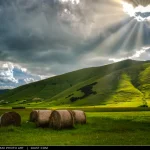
(98,125)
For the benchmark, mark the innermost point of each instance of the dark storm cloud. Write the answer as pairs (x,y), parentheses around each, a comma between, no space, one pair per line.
(31,26)
(143,15)
(49,36)
(36,29)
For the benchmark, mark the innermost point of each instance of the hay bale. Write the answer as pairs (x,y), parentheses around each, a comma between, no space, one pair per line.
(33,115)
(10,118)
(43,118)
(60,119)
(79,116)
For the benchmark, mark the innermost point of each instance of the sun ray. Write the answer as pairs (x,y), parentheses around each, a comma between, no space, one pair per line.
(135,2)
(138,2)
(116,9)
(111,14)
(128,38)
(140,35)
(111,40)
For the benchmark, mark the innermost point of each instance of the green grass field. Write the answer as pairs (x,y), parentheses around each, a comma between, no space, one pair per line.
(102,128)
(115,98)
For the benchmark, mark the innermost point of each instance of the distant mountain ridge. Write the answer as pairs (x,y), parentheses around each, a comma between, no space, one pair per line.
(2,91)
(121,84)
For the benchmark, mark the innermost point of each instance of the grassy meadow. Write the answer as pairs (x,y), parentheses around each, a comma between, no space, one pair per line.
(102,128)
(115,98)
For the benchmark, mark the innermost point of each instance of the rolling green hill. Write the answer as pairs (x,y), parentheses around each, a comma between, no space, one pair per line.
(126,83)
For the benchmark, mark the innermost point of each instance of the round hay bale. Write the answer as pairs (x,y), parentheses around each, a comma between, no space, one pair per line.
(60,119)
(43,118)
(79,116)
(33,116)
(10,118)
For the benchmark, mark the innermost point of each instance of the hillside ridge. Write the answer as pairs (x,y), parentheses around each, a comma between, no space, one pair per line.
(123,83)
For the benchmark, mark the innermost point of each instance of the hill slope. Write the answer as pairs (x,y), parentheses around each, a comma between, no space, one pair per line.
(125,83)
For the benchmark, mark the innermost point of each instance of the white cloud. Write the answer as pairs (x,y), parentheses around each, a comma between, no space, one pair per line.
(6,73)
(45,77)
(137,54)
(29,80)
(132,11)
(13,75)
(7,87)
(21,68)
(72,1)
(7,65)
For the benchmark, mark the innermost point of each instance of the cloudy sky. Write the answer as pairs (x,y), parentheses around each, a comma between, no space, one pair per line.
(44,38)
